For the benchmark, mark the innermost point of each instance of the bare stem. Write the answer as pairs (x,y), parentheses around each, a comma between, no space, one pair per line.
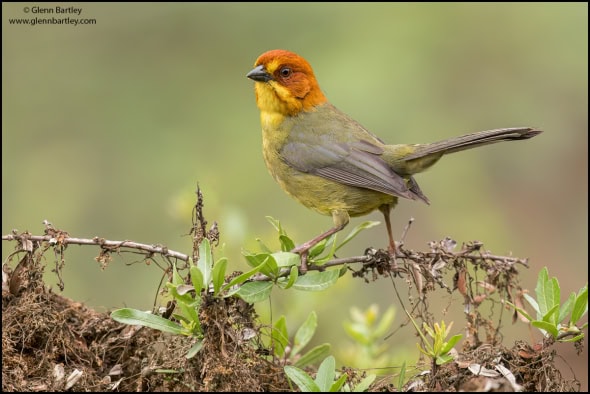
(103,243)
(372,258)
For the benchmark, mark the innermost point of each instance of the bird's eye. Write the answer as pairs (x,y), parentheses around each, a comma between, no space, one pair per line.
(286,72)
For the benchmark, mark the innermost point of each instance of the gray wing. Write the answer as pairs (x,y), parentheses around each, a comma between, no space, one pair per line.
(356,162)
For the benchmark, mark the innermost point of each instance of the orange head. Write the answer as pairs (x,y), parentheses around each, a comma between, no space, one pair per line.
(285,83)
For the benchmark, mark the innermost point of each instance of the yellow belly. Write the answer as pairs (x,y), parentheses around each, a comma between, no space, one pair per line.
(324,195)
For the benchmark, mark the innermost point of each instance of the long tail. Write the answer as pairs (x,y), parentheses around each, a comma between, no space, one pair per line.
(473,140)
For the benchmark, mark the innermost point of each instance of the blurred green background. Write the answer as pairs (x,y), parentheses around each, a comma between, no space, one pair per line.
(107,128)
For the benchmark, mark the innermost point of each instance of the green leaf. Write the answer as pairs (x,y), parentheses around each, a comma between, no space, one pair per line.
(293,275)
(219,274)
(316,281)
(574,339)
(551,315)
(428,330)
(253,292)
(401,378)
(280,336)
(270,267)
(547,292)
(263,247)
(326,374)
(304,333)
(134,317)
(567,307)
(317,249)
(314,355)
(301,379)
(556,294)
(205,262)
(180,318)
(331,245)
(580,306)
(243,277)
(191,312)
(276,224)
(187,304)
(356,230)
(255,259)
(428,352)
(548,327)
(366,383)
(343,270)
(176,278)
(451,343)
(287,243)
(337,385)
(443,359)
(197,279)
(194,349)
(265,262)
(286,259)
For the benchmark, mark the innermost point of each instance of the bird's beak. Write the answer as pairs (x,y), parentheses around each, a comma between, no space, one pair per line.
(259,74)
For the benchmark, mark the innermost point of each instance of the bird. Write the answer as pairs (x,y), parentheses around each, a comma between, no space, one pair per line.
(332,164)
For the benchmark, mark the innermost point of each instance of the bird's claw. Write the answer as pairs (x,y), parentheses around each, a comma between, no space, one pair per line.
(302,251)
(303,266)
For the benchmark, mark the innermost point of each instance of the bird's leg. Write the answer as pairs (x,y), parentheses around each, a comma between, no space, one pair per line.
(386,209)
(340,218)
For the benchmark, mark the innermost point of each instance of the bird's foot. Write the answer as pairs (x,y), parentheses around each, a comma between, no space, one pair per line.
(303,266)
(391,250)
(302,250)
(394,253)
